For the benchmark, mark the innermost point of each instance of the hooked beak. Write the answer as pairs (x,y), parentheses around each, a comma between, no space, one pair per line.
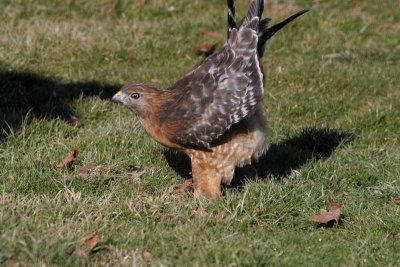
(117,97)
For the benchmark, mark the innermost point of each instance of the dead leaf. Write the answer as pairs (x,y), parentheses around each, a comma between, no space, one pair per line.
(326,216)
(199,212)
(394,201)
(92,241)
(74,121)
(181,189)
(147,256)
(207,33)
(205,49)
(69,159)
(87,245)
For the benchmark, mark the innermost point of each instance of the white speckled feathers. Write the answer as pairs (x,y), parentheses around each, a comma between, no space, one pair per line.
(219,92)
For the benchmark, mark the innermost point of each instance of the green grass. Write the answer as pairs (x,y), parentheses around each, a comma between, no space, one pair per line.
(332,103)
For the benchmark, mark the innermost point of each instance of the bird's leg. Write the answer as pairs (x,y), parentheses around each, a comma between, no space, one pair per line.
(206,179)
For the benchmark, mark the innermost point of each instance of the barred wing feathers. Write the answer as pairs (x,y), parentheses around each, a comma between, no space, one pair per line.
(220,92)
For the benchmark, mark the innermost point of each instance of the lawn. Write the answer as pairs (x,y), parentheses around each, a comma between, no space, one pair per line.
(332,104)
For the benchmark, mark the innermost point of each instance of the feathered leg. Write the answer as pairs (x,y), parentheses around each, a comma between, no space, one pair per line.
(206,178)
(243,143)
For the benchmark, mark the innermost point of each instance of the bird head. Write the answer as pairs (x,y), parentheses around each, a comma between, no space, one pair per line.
(139,98)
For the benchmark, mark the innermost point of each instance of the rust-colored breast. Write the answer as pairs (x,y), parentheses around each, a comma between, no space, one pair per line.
(152,126)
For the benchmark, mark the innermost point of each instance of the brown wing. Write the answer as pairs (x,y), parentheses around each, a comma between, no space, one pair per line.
(220,92)
(217,94)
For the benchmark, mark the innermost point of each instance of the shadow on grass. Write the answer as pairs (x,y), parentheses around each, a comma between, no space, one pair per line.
(24,96)
(281,158)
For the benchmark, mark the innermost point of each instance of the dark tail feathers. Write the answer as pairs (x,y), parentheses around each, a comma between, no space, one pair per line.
(266,32)
(231,17)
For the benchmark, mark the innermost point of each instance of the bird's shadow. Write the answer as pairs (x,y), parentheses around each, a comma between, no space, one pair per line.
(25,95)
(281,158)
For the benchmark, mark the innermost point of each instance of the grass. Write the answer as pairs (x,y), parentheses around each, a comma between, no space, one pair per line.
(332,102)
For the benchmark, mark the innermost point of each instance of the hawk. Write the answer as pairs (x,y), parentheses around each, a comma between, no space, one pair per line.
(212,114)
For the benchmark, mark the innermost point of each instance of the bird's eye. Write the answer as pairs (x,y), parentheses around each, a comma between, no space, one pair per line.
(135,95)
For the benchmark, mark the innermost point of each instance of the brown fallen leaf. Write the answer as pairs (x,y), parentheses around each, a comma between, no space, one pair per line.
(86,245)
(74,121)
(68,160)
(207,33)
(199,212)
(147,256)
(181,189)
(92,241)
(394,201)
(205,49)
(326,216)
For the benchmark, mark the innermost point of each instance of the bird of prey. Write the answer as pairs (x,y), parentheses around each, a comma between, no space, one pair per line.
(212,114)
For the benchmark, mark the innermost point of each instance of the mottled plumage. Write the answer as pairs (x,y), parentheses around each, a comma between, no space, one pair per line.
(220,92)
(212,113)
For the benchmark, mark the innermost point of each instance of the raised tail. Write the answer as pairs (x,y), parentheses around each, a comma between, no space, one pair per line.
(256,9)
(231,17)
(266,32)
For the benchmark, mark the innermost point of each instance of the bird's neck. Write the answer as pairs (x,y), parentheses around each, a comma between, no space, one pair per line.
(152,120)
